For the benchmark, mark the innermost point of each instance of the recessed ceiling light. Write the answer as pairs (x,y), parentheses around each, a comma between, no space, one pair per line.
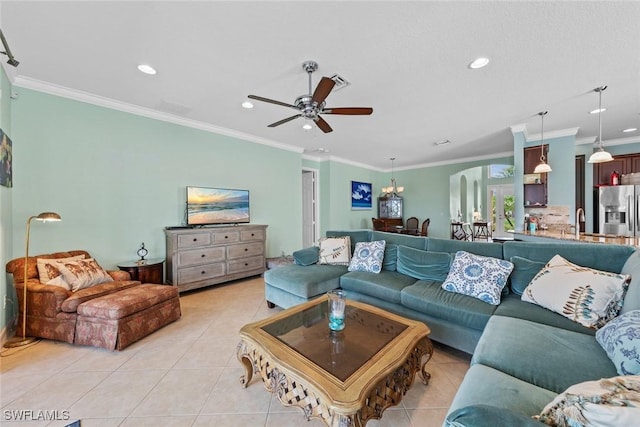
(147,69)
(598,110)
(629,130)
(479,63)
(307,126)
(443,142)
(247,104)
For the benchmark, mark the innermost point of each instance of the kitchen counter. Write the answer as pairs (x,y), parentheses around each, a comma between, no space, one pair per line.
(571,237)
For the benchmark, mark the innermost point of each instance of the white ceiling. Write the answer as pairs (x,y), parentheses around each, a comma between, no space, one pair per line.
(407,60)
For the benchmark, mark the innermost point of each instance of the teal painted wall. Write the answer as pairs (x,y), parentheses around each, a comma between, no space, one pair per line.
(7,292)
(118,179)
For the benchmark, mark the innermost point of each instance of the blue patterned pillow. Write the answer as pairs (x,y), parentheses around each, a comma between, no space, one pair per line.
(478,276)
(620,338)
(368,256)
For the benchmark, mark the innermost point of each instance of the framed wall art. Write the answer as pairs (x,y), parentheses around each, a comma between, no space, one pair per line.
(6,171)
(361,195)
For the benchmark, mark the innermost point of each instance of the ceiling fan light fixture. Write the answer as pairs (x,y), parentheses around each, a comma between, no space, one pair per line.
(307,126)
(147,69)
(247,104)
(479,63)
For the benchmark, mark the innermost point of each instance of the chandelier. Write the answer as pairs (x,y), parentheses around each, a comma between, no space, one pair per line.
(393,189)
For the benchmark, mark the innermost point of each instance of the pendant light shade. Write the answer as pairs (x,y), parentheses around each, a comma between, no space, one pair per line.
(542,167)
(600,156)
(393,189)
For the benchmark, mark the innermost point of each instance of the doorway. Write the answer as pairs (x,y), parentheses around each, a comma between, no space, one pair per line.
(309,207)
(501,199)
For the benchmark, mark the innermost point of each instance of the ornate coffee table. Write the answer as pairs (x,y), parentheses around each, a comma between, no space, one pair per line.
(345,378)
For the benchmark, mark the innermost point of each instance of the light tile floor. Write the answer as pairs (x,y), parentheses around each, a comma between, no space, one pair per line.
(186,374)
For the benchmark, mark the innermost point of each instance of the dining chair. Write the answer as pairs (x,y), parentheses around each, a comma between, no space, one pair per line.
(424,230)
(411,226)
(378,224)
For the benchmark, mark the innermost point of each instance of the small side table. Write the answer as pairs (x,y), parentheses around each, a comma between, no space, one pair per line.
(147,271)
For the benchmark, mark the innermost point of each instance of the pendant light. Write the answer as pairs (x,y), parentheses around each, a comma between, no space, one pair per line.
(393,190)
(542,167)
(600,156)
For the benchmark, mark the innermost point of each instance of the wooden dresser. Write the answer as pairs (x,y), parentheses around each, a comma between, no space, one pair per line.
(198,257)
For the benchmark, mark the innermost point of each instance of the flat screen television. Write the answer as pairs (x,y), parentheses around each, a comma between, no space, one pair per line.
(208,206)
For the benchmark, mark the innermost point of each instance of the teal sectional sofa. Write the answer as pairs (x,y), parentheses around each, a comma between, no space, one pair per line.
(523,354)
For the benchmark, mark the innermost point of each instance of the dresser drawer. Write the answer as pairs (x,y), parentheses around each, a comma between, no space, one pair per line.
(194,240)
(202,272)
(201,256)
(226,237)
(245,264)
(245,250)
(246,235)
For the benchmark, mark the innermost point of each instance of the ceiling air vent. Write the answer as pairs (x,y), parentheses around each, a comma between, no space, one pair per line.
(341,82)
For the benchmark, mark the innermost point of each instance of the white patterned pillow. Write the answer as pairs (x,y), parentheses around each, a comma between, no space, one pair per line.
(478,276)
(584,295)
(335,250)
(368,256)
(83,273)
(620,338)
(602,403)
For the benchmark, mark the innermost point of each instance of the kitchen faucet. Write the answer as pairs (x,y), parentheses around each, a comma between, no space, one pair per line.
(579,217)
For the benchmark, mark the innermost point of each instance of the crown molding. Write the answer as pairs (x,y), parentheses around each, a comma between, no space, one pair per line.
(553,134)
(456,161)
(100,101)
(586,140)
(519,128)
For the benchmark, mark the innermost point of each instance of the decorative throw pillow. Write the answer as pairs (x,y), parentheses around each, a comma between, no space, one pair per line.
(47,267)
(368,256)
(585,295)
(620,338)
(478,276)
(83,273)
(606,402)
(524,270)
(335,250)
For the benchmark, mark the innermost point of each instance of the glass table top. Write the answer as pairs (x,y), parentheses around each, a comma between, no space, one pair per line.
(339,353)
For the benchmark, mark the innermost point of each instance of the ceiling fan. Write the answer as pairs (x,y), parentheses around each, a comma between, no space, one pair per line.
(310,106)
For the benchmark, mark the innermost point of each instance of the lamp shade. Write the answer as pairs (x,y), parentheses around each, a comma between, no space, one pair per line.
(48,216)
(600,156)
(542,168)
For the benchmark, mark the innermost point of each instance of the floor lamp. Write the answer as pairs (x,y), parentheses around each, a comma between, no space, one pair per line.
(19,342)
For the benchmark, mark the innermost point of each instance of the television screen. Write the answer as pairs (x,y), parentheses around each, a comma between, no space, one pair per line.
(217,206)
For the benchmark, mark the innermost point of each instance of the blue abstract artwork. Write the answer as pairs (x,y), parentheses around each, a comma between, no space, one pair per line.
(361,195)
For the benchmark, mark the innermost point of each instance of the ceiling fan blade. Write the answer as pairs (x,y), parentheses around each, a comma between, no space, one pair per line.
(288,119)
(271,101)
(323,125)
(323,90)
(352,111)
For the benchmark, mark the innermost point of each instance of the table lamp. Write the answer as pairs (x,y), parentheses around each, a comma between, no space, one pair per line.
(19,342)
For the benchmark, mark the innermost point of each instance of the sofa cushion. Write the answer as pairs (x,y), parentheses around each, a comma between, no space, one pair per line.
(70,305)
(401,239)
(306,256)
(305,282)
(119,305)
(368,256)
(620,338)
(632,268)
(592,255)
(335,250)
(478,276)
(390,260)
(588,296)
(83,273)
(423,265)
(488,416)
(386,285)
(602,403)
(512,306)
(548,357)
(493,250)
(355,236)
(427,296)
(524,270)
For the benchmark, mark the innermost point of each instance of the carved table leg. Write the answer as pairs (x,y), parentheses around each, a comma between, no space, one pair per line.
(246,361)
(426,347)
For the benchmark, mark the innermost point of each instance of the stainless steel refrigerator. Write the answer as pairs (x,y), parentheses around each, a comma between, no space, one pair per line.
(618,210)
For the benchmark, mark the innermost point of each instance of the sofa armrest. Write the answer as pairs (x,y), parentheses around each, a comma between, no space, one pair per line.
(119,275)
(307,256)
(488,416)
(42,300)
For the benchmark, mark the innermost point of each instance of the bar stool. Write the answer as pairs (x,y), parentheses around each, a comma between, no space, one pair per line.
(481,230)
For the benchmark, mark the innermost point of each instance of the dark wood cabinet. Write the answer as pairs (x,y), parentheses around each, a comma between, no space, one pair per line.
(147,271)
(535,194)
(623,164)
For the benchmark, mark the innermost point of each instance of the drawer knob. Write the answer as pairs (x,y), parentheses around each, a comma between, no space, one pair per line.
(203,255)
(252,234)
(226,237)
(195,240)
(202,272)
(246,249)
(246,264)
